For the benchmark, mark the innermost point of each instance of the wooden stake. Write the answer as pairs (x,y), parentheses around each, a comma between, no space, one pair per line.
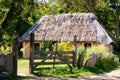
(15,55)
(75,50)
(32,51)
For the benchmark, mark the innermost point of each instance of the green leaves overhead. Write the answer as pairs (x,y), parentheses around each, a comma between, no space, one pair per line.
(20,15)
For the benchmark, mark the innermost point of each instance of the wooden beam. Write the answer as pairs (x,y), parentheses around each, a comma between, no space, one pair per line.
(15,55)
(75,50)
(32,51)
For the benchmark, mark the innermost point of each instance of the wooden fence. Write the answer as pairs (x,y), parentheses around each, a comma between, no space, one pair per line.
(53,58)
(38,58)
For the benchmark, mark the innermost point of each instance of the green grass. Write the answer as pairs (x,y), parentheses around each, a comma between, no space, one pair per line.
(59,71)
(63,72)
(23,66)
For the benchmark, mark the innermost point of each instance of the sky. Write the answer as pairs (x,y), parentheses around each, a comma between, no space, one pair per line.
(41,0)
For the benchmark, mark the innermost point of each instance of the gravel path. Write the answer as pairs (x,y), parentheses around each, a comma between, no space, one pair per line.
(113,75)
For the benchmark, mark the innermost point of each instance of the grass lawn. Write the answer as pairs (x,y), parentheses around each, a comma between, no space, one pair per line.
(59,71)
(23,66)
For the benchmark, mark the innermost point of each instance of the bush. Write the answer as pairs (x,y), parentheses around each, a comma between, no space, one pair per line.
(105,59)
(65,46)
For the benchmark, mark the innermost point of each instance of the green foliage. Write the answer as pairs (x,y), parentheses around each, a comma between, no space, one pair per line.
(46,46)
(63,72)
(116,47)
(30,12)
(65,46)
(99,48)
(88,51)
(106,61)
(81,50)
(5,44)
(2,68)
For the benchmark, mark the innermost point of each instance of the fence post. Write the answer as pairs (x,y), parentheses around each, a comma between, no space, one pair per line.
(15,55)
(75,50)
(31,59)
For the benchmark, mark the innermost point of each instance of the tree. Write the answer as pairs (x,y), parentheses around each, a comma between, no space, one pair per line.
(114,5)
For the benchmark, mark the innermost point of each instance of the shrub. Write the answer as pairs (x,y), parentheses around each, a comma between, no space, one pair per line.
(105,59)
(5,49)
(65,46)
(46,46)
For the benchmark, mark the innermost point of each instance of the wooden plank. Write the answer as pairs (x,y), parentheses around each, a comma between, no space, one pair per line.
(53,52)
(64,52)
(44,52)
(57,57)
(38,69)
(46,68)
(51,63)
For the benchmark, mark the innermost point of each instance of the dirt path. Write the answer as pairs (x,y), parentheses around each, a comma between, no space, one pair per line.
(113,75)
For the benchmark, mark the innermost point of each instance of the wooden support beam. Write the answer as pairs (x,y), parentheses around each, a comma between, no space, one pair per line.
(32,51)
(15,55)
(75,50)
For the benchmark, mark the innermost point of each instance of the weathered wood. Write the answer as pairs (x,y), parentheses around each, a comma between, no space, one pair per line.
(50,63)
(46,58)
(75,50)
(32,51)
(45,52)
(53,52)
(91,60)
(57,57)
(80,61)
(15,55)
(64,52)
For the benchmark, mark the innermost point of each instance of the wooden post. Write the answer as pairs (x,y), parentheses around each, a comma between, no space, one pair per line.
(55,54)
(75,50)
(15,55)
(32,48)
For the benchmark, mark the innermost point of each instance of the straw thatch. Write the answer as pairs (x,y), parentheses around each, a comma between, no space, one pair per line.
(64,27)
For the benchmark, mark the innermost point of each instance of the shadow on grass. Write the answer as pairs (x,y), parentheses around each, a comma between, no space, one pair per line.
(74,73)
(57,72)
(41,74)
(101,70)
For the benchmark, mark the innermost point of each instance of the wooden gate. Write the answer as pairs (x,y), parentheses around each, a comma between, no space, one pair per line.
(38,58)
(53,58)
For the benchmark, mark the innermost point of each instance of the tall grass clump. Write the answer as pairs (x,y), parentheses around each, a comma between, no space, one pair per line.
(105,60)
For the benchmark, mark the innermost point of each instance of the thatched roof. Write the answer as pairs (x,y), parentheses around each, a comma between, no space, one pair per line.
(64,27)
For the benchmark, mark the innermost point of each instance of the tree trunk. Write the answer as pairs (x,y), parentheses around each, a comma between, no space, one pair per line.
(15,10)
(117,24)
(9,16)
